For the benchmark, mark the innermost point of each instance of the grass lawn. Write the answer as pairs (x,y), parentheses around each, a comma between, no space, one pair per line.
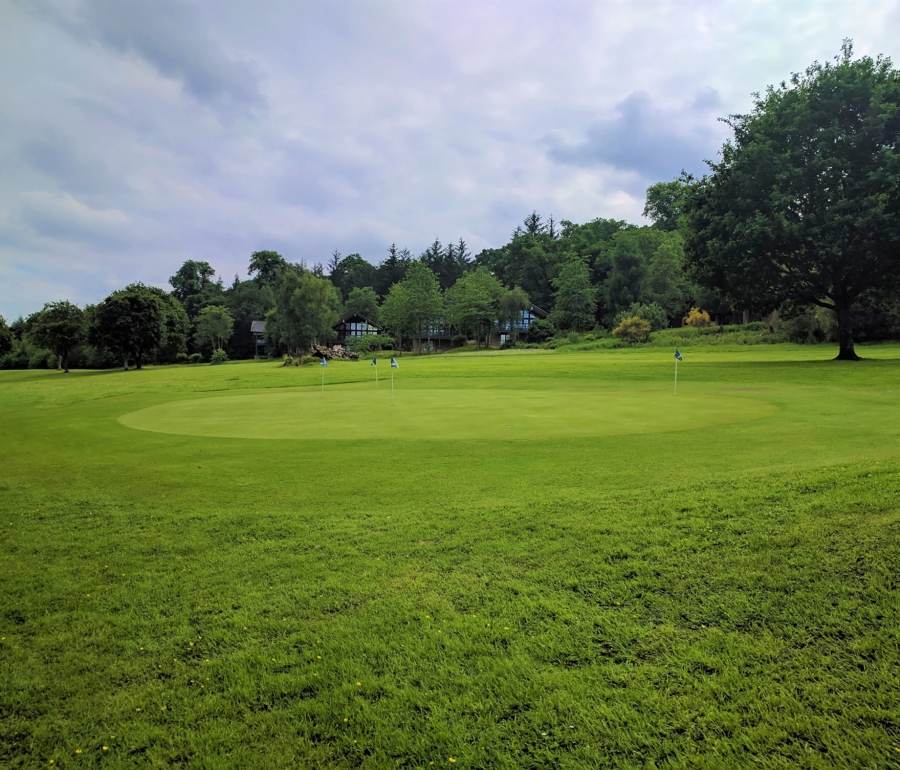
(531,560)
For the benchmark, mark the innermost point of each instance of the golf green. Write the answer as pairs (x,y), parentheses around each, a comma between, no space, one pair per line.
(357,412)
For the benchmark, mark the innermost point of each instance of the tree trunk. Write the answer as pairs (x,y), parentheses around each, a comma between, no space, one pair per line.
(65,362)
(845,334)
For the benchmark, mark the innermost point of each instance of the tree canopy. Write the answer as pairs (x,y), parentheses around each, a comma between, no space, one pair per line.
(214,324)
(306,307)
(473,303)
(363,300)
(194,288)
(266,266)
(129,323)
(60,326)
(804,205)
(6,337)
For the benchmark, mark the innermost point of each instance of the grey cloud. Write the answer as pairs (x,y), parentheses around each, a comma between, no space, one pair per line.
(59,216)
(170,36)
(642,138)
(56,156)
(706,99)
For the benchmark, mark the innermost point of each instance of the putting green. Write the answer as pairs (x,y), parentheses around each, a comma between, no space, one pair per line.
(363,413)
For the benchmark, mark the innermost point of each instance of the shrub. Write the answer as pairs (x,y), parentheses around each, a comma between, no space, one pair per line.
(219,356)
(698,318)
(360,344)
(804,328)
(459,341)
(308,360)
(181,358)
(652,313)
(196,358)
(43,359)
(541,330)
(633,329)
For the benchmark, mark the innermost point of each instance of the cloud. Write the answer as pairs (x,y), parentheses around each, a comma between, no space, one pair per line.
(59,216)
(170,36)
(643,138)
(57,157)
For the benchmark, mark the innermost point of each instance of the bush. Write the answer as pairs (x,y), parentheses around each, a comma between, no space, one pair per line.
(17,358)
(196,358)
(541,330)
(652,313)
(181,358)
(219,356)
(308,360)
(804,328)
(459,341)
(698,318)
(43,359)
(360,344)
(633,329)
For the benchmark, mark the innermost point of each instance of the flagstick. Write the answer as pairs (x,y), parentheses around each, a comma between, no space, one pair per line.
(376,376)
(676,378)
(323,380)
(392,386)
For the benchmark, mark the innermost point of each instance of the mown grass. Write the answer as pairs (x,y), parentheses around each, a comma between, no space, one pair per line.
(725,596)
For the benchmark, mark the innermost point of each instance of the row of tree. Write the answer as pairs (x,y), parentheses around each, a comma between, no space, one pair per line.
(802,210)
(135,324)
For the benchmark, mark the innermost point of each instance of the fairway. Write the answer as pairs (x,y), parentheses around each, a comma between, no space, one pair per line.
(535,560)
(440,413)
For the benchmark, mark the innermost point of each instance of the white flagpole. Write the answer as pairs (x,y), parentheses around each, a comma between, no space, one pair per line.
(392,386)
(376,374)
(323,380)
(676,378)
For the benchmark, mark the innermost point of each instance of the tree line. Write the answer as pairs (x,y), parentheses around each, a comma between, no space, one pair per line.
(799,216)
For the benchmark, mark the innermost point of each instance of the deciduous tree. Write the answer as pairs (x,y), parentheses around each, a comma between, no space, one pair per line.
(576,298)
(266,266)
(804,205)
(6,337)
(214,324)
(59,327)
(473,303)
(129,323)
(306,307)
(364,301)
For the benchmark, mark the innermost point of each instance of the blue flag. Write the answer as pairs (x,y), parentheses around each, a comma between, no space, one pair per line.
(374,362)
(324,362)
(677,354)
(394,364)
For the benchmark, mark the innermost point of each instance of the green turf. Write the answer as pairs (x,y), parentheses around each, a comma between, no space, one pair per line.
(531,560)
(360,412)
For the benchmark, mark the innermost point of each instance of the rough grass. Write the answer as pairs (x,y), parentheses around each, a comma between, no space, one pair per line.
(716,597)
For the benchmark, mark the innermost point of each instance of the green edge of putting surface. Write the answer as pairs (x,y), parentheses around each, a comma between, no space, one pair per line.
(358,412)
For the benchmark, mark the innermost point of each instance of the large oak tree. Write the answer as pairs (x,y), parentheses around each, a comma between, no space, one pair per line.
(804,205)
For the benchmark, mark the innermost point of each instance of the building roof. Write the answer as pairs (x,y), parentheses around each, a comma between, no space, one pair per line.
(539,312)
(257,327)
(355,318)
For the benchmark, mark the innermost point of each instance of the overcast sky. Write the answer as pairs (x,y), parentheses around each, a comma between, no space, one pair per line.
(135,135)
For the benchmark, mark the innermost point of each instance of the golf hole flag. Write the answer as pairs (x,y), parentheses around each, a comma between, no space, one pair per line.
(394,365)
(324,362)
(374,362)
(677,359)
